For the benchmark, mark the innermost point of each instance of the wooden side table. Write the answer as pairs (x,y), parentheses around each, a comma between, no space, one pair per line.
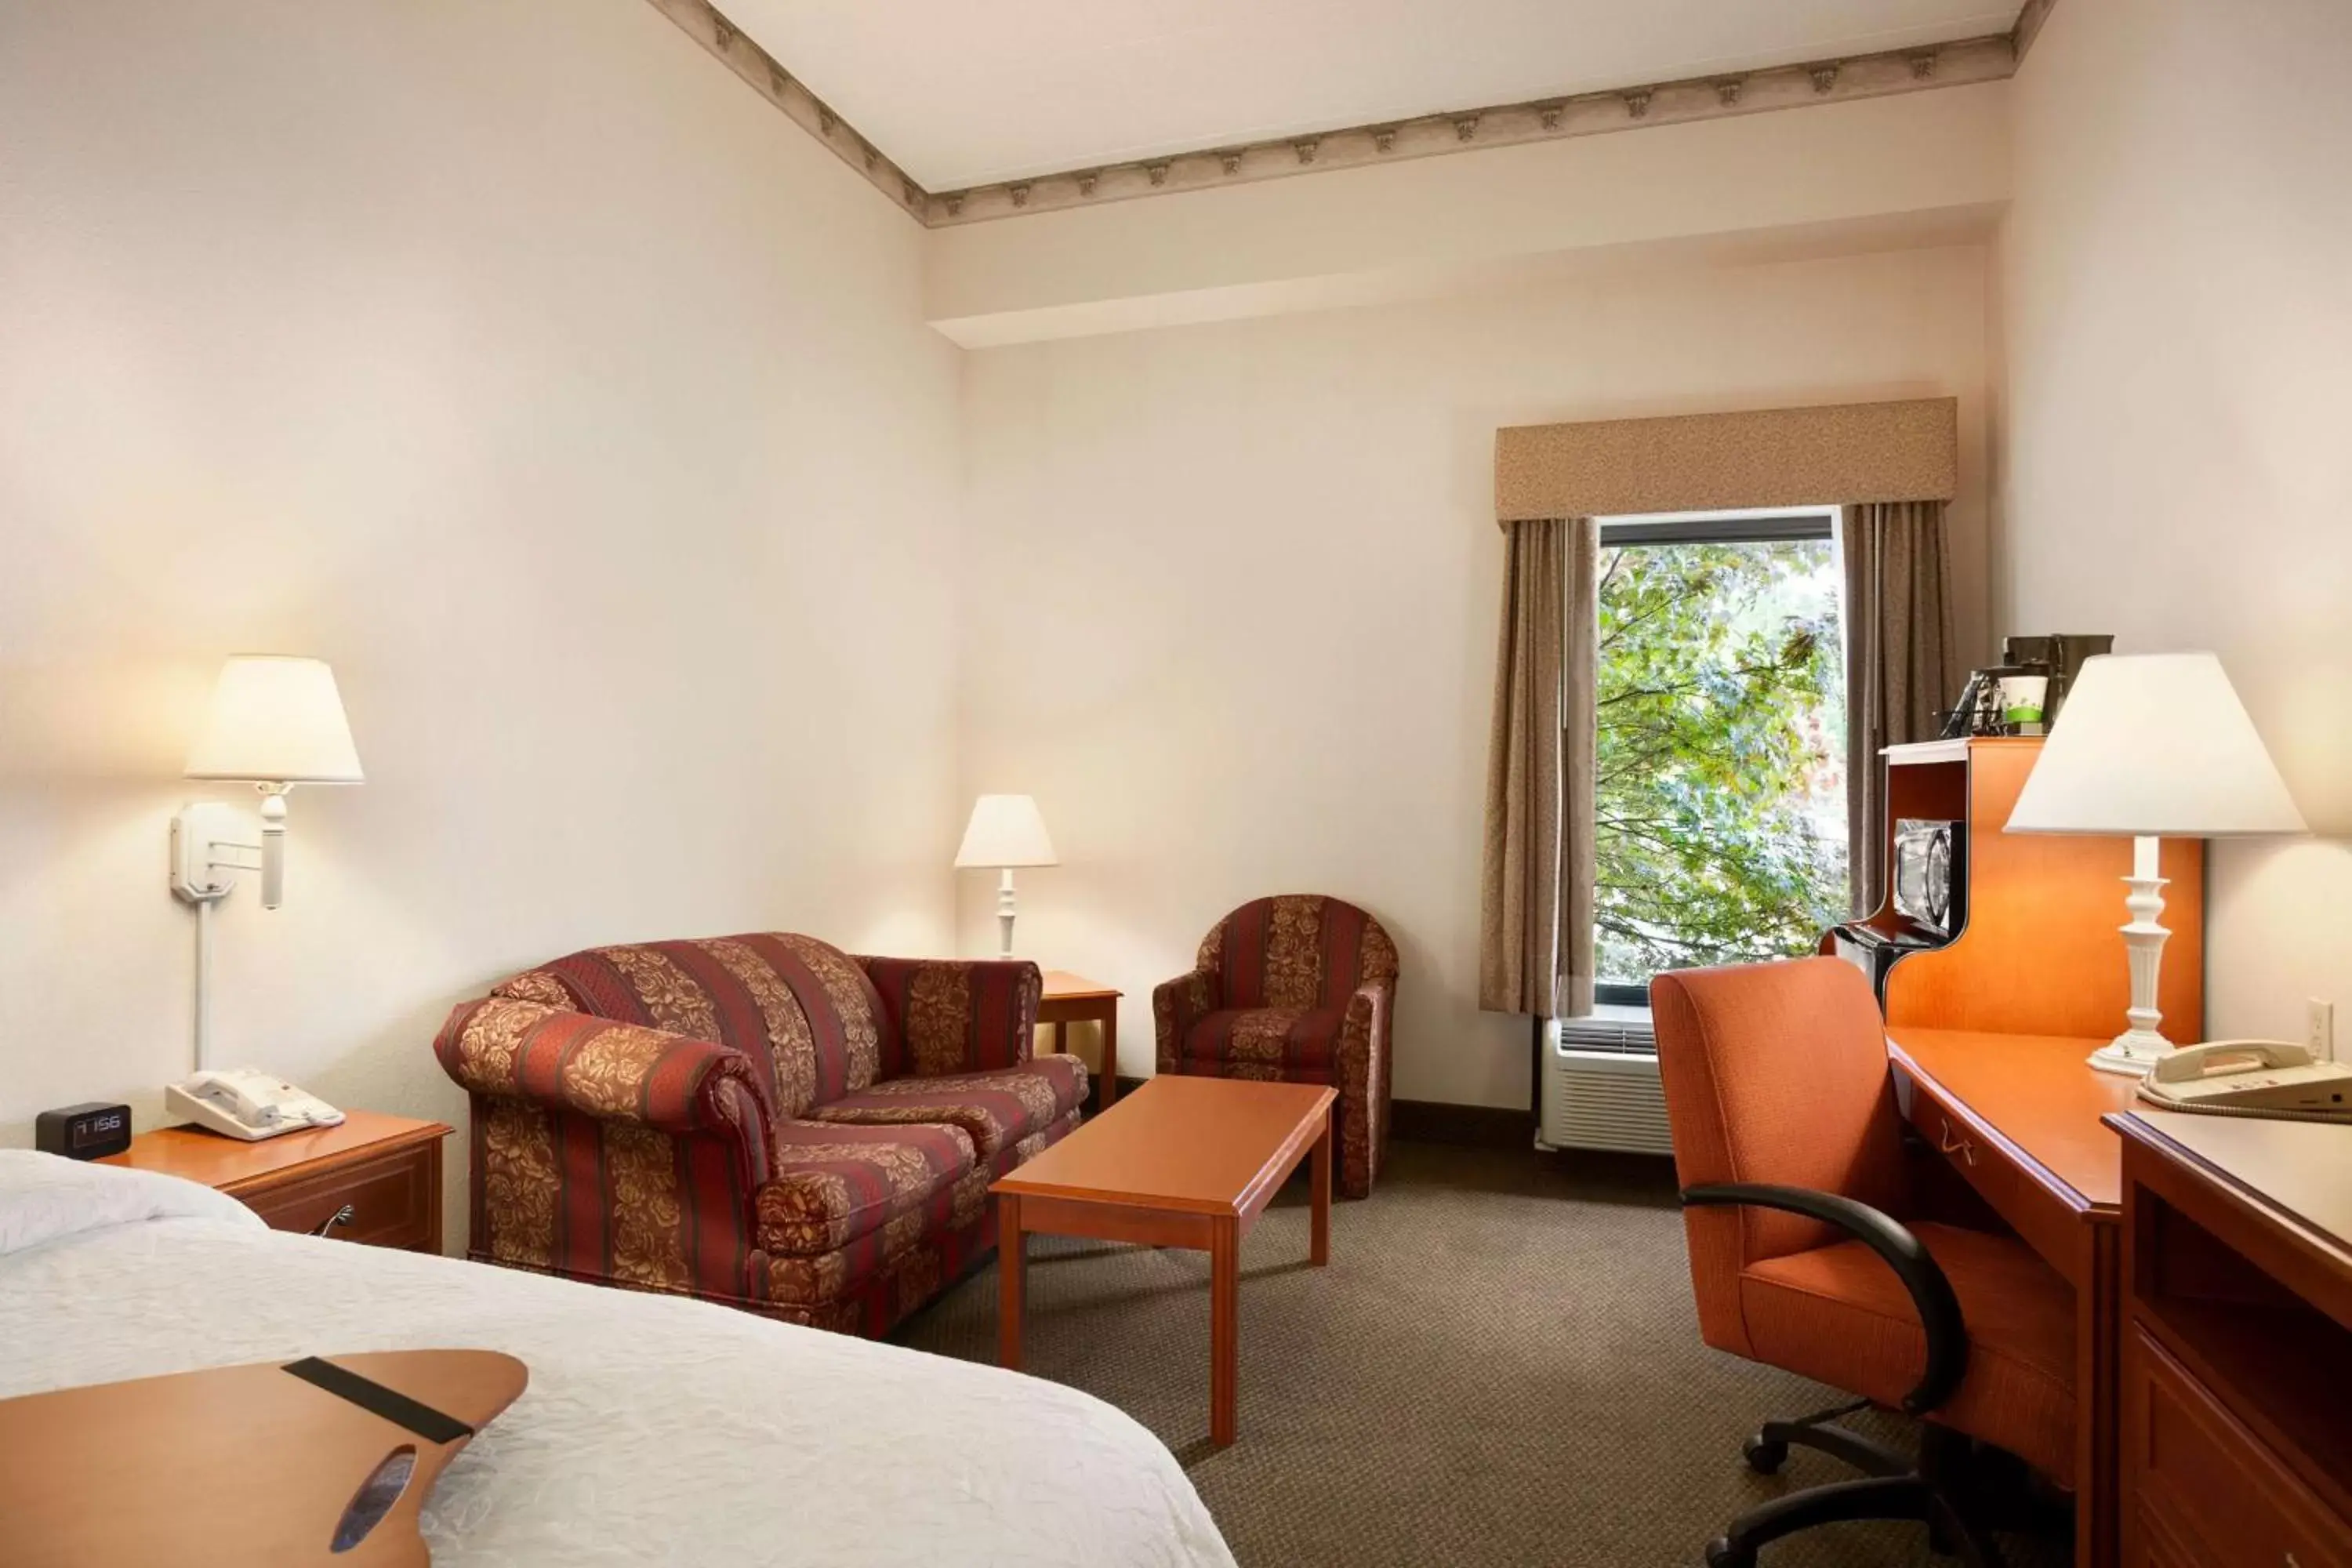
(1074,999)
(385,1171)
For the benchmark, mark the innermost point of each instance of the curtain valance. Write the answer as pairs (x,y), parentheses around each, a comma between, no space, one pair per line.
(1845,453)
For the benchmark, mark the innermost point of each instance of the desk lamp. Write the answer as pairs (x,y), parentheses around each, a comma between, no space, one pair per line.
(2155,746)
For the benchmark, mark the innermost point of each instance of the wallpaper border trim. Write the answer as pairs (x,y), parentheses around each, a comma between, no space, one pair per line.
(1924,69)
(708,25)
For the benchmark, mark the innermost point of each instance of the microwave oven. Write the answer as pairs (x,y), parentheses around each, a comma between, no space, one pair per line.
(1930,875)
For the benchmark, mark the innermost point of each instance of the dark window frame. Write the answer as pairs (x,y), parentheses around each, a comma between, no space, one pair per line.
(1782,529)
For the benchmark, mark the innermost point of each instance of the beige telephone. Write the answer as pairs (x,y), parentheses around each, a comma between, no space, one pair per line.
(2251,1077)
(247,1104)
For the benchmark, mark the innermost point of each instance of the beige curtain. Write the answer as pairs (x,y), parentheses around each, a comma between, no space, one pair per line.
(1535,928)
(1899,663)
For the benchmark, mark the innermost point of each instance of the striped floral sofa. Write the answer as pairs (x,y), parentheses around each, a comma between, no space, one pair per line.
(763,1121)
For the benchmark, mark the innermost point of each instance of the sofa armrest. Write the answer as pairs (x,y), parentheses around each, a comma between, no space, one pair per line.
(1176,1005)
(503,1047)
(956,1014)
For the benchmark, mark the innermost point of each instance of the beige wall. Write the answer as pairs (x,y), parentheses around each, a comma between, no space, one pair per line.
(535,373)
(2177,464)
(1234,589)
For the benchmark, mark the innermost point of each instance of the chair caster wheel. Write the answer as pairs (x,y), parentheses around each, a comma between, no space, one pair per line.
(1764,1455)
(1721,1553)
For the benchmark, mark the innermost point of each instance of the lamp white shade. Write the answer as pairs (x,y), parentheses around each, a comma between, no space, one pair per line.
(1005,830)
(2155,744)
(276,719)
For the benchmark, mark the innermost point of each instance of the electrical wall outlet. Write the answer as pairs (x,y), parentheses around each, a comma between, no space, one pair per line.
(2320,1028)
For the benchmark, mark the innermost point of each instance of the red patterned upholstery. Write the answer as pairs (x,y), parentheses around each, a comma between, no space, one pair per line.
(993,1108)
(1298,988)
(804,1009)
(754,1120)
(953,1017)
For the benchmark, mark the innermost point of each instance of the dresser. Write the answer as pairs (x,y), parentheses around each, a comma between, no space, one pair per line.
(2236,1401)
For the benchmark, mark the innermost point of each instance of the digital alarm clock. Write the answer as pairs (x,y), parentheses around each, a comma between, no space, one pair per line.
(83,1131)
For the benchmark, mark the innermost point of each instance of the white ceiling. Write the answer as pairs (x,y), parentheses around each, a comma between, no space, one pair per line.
(964,92)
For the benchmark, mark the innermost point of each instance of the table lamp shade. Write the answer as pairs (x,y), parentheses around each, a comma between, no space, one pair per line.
(276,719)
(2155,744)
(1005,830)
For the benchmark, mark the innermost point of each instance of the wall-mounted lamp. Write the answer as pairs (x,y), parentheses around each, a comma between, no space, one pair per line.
(276,721)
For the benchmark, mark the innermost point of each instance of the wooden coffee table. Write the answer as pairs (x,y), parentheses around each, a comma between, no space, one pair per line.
(1182,1162)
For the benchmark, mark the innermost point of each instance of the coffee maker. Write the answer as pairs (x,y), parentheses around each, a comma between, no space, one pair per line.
(2055,660)
(2060,656)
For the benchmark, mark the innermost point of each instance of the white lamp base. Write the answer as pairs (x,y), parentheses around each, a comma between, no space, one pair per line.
(1004,913)
(2141,1047)
(2132,1052)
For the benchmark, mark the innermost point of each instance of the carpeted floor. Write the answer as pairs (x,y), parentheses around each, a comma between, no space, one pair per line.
(1500,1366)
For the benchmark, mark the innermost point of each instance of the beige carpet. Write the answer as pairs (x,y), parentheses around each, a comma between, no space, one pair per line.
(1500,1366)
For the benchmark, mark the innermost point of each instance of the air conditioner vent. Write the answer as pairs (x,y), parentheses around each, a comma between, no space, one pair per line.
(1621,1029)
(1600,1087)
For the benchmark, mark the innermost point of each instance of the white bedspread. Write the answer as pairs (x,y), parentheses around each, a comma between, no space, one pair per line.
(655,1430)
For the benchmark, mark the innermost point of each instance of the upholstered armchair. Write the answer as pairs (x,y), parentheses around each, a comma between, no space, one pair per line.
(1298,989)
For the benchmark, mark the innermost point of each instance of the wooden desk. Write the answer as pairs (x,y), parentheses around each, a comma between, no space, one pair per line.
(386,1169)
(1074,999)
(2019,1116)
(2237,1356)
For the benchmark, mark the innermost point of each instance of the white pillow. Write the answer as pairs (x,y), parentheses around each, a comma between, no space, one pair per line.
(45,1196)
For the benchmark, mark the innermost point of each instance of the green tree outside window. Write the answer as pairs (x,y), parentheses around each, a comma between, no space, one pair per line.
(1721,760)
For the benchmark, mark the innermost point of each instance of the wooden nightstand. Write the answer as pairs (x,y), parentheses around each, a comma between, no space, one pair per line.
(387,1168)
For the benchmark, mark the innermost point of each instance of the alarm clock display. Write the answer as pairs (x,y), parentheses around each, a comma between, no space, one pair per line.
(83,1131)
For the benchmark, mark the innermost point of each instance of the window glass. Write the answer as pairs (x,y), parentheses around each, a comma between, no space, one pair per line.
(1721,792)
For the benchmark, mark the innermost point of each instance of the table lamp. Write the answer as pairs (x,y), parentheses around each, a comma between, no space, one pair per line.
(2156,746)
(1005,831)
(276,721)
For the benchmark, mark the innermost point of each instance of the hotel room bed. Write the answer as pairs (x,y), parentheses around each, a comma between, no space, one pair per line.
(655,1430)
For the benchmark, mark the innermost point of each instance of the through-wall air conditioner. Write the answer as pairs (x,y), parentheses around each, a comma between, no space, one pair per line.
(1600,1087)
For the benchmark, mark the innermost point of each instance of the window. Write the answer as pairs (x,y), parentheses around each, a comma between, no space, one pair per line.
(1720,773)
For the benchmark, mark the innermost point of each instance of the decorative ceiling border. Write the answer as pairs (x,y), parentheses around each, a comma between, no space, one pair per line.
(1680,102)
(1507,125)
(708,25)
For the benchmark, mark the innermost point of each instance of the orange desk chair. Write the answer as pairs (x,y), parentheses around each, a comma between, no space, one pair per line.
(1788,1149)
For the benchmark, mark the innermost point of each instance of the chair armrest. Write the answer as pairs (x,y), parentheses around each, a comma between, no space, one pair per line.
(607,1070)
(1914,1266)
(958,1014)
(1178,1005)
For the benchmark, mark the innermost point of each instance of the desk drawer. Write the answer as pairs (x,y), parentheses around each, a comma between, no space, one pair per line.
(2038,1214)
(393,1199)
(2195,1478)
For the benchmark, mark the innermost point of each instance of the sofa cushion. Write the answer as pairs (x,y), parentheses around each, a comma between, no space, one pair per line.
(799,1007)
(1264,1042)
(836,1185)
(995,1109)
(951,1015)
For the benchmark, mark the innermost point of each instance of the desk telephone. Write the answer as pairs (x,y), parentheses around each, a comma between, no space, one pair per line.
(247,1104)
(2272,1078)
